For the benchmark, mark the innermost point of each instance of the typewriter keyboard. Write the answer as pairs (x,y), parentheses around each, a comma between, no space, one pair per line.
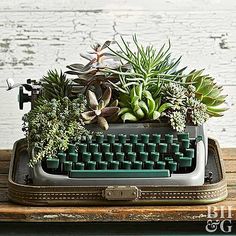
(126,156)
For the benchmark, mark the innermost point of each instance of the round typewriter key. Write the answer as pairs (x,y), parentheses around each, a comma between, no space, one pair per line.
(73,157)
(167,159)
(137,165)
(160,165)
(189,152)
(151,147)
(105,147)
(71,148)
(185,143)
(162,147)
(91,165)
(133,138)
(52,163)
(99,138)
(117,147)
(182,136)
(114,165)
(111,138)
(79,166)
(97,156)
(172,166)
(174,147)
(185,162)
(139,147)
(178,155)
(156,138)
(122,138)
(127,147)
(120,156)
(86,156)
(131,156)
(149,165)
(169,138)
(154,156)
(143,156)
(67,166)
(103,165)
(144,138)
(82,147)
(108,156)
(126,165)
(93,147)
(61,156)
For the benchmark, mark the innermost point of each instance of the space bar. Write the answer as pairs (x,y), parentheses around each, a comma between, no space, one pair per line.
(119,173)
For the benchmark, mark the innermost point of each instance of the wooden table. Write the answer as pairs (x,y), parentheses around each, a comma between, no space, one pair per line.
(15,213)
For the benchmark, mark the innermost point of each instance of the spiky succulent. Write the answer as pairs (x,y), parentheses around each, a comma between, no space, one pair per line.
(208,92)
(100,111)
(177,120)
(55,85)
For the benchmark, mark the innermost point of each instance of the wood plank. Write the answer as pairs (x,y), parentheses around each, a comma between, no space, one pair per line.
(229,153)
(4,167)
(3,195)
(5,155)
(231,179)
(116,5)
(3,180)
(230,166)
(13,212)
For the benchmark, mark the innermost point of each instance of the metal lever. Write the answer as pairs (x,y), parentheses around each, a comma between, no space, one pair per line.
(23,97)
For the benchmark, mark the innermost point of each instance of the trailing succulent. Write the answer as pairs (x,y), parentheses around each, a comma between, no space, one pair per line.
(52,125)
(101,111)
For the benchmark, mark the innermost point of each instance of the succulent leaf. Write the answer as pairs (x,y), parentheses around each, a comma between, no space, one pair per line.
(129,116)
(102,123)
(106,97)
(92,99)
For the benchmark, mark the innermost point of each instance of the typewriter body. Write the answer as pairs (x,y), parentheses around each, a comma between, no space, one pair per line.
(139,154)
(132,154)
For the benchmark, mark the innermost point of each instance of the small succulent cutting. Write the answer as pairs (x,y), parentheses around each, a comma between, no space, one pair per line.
(100,111)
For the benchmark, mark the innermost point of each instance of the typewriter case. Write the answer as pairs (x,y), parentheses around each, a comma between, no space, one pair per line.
(23,191)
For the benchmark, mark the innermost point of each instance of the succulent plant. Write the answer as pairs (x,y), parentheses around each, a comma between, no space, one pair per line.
(147,66)
(140,105)
(208,92)
(177,121)
(174,94)
(55,85)
(94,73)
(100,111)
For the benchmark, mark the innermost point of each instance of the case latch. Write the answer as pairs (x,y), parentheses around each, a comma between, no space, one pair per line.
(122,193)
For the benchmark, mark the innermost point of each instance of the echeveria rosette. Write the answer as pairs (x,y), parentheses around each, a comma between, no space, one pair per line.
(208,92)
(100,112)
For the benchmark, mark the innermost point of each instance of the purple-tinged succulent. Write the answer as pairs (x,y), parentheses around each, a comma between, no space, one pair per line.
(102,111)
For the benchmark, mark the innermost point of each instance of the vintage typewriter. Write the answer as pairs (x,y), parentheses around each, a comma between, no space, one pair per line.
(141,154)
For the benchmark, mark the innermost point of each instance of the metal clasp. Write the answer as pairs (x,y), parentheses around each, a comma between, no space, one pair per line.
(122,193)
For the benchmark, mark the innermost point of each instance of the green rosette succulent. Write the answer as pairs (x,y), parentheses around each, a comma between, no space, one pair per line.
(208,92)
(101,112)
(140,105)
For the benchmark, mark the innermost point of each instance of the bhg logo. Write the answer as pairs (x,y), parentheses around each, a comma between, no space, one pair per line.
(219,218)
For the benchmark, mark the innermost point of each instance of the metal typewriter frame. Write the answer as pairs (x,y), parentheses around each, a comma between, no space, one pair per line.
(196,177)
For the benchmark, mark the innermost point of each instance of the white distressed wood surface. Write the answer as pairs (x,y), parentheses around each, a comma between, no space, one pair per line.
(39,35)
